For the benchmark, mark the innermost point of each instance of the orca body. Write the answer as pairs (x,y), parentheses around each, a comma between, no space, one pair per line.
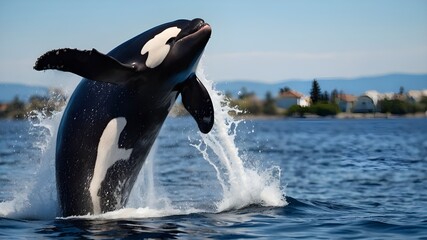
(115,114)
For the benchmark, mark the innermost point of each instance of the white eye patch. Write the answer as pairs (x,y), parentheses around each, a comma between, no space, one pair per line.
(157,48)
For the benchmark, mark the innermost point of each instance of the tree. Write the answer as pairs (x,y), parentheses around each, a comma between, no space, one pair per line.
(297,110)
(16,109)
(269,107)
(325,97)
(37,102)
(334,96)
(324,109)
(315,92)
(401,91)
(285,89)
(395,106)
(17,104)
(244,93)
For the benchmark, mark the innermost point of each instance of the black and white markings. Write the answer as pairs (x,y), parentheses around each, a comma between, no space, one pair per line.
(108,154)
(157,48)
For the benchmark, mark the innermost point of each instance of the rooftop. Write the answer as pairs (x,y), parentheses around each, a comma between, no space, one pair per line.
(290,94)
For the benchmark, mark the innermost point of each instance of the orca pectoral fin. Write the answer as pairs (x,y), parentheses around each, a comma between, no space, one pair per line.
(198,103)
(91,64)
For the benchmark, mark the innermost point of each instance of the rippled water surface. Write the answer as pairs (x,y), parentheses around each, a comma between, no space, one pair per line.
(342,179)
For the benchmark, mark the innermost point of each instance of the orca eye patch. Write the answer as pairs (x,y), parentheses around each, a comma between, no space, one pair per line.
(158,47)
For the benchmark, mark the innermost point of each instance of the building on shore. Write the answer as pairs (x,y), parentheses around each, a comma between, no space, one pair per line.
(286,99)
(346,102)
(415,96)
(367,102)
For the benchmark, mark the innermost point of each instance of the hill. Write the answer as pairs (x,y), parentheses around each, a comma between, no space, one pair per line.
(355,86)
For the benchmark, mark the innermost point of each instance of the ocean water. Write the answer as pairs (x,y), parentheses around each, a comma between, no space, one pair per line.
(284,178)
(341,179)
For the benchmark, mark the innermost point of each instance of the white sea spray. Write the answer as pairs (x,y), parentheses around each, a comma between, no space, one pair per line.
(242,184)
(38,200)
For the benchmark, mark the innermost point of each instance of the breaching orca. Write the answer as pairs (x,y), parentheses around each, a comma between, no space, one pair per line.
(115,114)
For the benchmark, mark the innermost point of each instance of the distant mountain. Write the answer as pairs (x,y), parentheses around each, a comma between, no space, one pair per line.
(355,86)
(8,91)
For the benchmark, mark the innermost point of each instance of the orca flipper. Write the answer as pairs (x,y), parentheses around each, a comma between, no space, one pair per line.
(198,103)
(89,64)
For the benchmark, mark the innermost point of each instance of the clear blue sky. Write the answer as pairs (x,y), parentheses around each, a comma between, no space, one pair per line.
(266,40)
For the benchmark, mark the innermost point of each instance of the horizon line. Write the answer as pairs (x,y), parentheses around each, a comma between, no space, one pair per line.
(265,82)
(319,78)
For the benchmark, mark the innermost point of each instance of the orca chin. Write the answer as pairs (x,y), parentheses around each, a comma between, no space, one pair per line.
(195,28)
(189,42)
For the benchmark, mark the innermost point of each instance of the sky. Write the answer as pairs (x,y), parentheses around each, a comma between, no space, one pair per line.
(266,40)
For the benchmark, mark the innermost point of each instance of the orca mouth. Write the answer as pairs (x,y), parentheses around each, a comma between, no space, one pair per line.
(193,28)
(187,47)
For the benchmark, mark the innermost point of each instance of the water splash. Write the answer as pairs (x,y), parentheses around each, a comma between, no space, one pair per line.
(39,199)
(242,184)
(147,193)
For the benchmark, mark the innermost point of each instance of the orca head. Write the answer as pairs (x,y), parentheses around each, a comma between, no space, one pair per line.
(176,46)
(170,50)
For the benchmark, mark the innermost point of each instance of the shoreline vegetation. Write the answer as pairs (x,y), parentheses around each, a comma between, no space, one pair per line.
(179,111)
(337,104)
(36,105)
(337,116)
(287,104)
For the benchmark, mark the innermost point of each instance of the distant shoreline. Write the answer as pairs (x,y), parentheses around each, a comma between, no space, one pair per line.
(378,115)
(338,116)
(307,116)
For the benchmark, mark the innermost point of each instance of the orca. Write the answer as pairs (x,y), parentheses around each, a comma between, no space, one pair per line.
(116,112)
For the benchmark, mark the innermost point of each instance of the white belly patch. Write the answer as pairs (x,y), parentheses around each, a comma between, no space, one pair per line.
(108,153)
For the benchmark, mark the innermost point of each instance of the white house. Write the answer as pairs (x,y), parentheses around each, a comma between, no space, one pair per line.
(416,95)
(346,102)
(289,98)
(367,103)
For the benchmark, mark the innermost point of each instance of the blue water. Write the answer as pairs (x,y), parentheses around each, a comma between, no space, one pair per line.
(343,179)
